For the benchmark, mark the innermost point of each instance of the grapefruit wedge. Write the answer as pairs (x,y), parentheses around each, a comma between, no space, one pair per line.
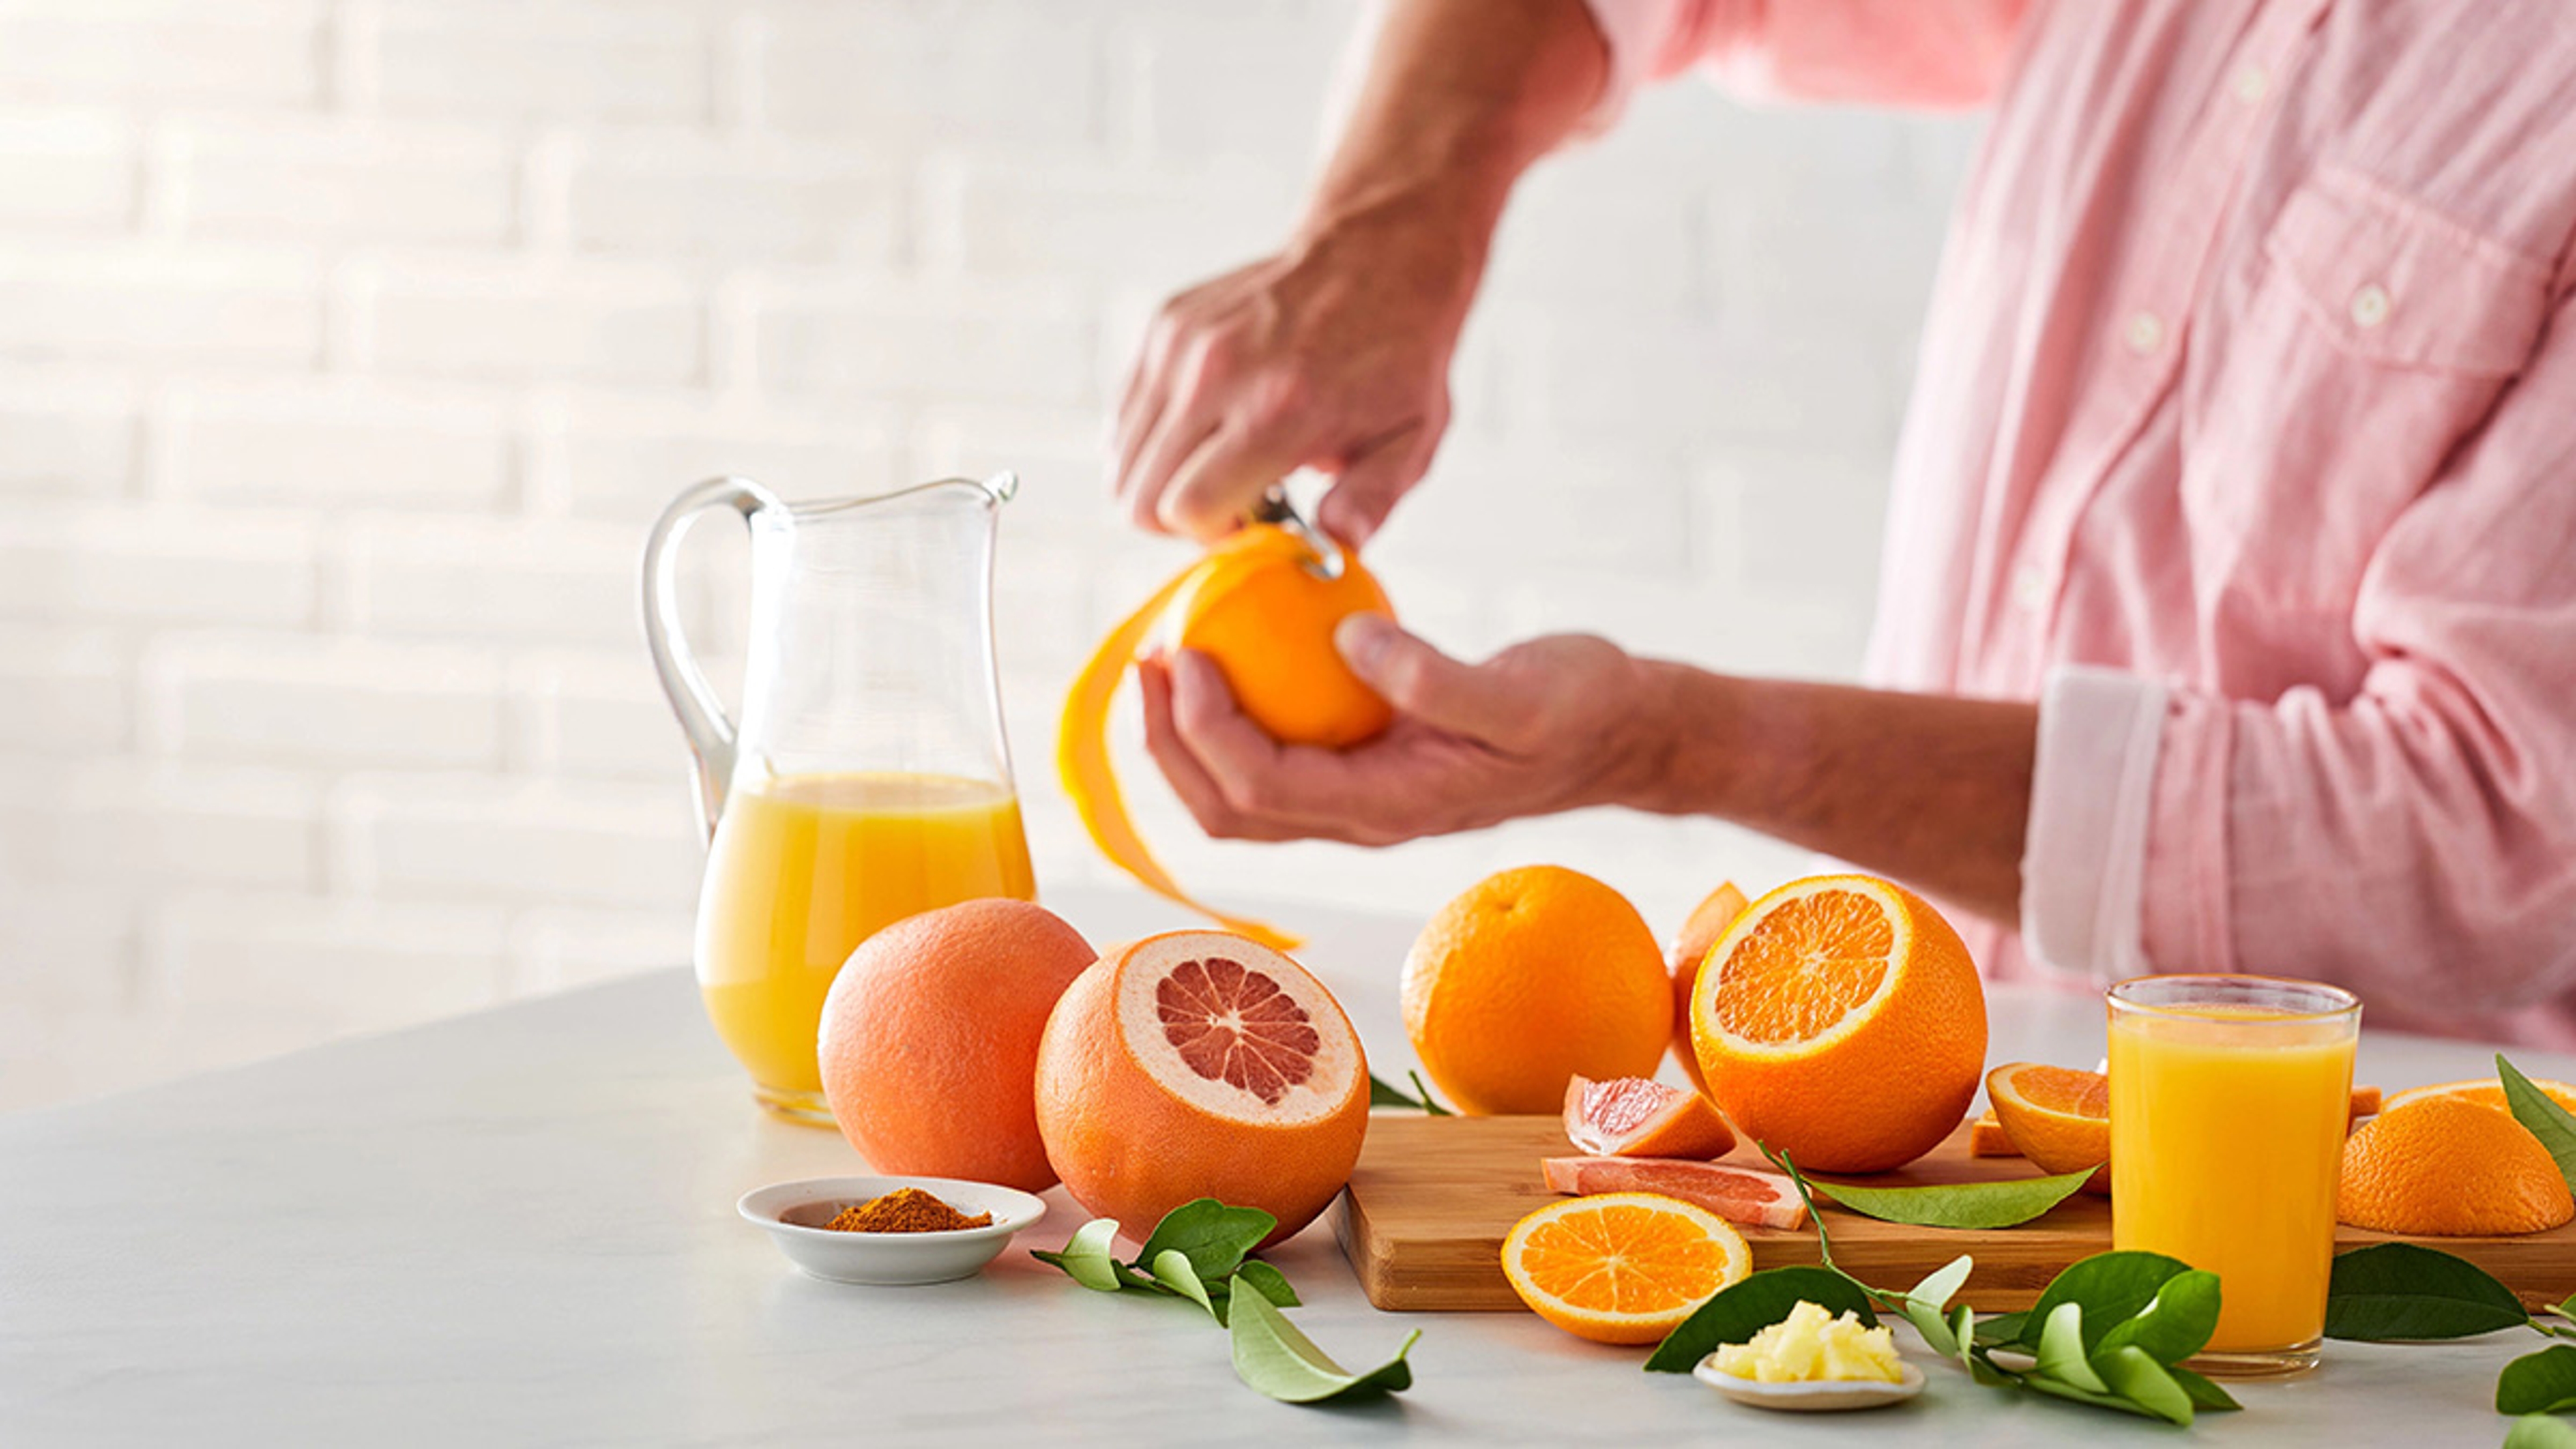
(1750,1195)
(1637,1117)
(1200,1064)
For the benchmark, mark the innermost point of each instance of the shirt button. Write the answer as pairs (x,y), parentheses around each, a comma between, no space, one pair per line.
(2370,305)
(2030,588)
(2145,331)
(2251,84)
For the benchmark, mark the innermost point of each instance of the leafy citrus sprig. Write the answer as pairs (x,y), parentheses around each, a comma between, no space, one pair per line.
(1383,1093)
(2110,1331)
(1201,1252)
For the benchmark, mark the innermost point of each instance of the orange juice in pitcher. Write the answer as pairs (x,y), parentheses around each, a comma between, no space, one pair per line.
(806,867)
(868,780)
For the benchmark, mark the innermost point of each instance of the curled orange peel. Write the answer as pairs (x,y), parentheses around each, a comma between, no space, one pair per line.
(1189,597)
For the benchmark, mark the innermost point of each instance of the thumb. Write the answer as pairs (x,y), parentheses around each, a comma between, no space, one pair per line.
(1366,491)
(1426,684)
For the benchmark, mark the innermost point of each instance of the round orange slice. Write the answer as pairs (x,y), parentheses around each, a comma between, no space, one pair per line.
(1623,1267)
(2060,1118)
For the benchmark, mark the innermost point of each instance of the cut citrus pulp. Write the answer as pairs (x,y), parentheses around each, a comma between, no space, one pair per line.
(1252,605)
(1639,1117)
(1200,1064)
(1840,1020)
(1623,1268)
(2060,1118)
(1754,1196)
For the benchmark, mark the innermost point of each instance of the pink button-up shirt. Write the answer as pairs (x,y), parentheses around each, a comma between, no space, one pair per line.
(2244,441)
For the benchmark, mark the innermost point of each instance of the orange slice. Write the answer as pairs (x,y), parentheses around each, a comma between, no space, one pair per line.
(2485,1091)
(1624,1267)
(1252,606)
(1638,1117)
(2058,1117)
(1987,1137)
(1840,1020)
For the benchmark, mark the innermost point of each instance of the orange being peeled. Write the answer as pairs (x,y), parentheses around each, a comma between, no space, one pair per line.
(2057,1117)
(929,1041)
(1840,1020)
(1707,921)
(1200,1064)
(2447,1166)
(1528,979)
(1255,606)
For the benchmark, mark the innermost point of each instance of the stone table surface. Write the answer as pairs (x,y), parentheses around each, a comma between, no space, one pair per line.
(517,1227)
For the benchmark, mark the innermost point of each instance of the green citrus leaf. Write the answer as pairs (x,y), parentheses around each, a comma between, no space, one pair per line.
(1086,1256)
(2538,1383)
(1735,1314)
(1274,1358)
(1924,1306)
(1172,1268)
(1959,1204)
(2103,1399)
(1213,1236)
(2548,1121)
(1267,1281)
(2113,1287)
(2393,1291)
(2204,1394)
(2062,1349)
(2174,1326)
(2540,1431)
(2137,1377)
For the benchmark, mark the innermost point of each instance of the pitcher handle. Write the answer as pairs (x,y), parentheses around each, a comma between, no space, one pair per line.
(702,716)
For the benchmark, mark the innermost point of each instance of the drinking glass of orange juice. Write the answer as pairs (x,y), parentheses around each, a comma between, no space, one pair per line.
(869,779)
(2230,1096)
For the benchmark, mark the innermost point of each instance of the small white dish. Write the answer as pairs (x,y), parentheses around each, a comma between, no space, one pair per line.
(1815,1397)
(794,1213)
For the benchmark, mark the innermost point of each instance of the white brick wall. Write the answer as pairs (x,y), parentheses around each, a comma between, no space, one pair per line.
(347,347)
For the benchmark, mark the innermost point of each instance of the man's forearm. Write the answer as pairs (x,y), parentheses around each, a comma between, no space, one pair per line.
(1461,96)
(1931,789)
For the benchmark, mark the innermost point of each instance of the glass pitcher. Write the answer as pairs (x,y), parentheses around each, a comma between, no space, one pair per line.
(868,779)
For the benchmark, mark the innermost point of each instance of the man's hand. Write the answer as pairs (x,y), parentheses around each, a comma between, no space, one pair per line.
(1333,355)
(1552,724)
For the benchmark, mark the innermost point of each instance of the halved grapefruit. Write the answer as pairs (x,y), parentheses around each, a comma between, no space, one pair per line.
(1751,1195)
(1640,1117)
(1200,1064)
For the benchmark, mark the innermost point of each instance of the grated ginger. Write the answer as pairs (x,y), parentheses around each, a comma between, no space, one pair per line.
(1812,1346)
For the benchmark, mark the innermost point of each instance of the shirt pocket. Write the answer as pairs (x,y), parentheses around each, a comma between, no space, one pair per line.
(2377,334)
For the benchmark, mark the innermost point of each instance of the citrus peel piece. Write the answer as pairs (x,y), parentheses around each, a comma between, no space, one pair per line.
(1236,605)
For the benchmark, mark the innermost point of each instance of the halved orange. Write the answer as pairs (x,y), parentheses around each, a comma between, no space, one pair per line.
(1623,1267)
(2446,1166)
(2485,1091)
(2060,1118)
(1839,1019)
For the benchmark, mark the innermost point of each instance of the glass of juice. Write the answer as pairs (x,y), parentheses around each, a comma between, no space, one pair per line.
(868,780)
(2230,1097)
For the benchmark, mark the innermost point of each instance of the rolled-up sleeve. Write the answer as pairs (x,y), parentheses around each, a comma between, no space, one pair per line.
(1933,53)
(2416,841)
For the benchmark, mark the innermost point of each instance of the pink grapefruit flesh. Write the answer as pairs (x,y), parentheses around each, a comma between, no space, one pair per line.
(1750,1195)
(1637,1117)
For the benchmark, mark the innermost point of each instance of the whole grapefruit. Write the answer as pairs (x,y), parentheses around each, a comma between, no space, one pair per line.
(929,1041)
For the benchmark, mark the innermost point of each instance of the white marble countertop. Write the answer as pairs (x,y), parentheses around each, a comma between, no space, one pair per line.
(518,1228)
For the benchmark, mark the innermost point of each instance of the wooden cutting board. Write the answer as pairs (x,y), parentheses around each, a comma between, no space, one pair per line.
(1424,1218)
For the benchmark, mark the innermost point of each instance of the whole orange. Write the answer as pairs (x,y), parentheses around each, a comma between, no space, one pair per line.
(1530,978)
(929,1040)
(1258,607)
(1840,1020)
(2450,1167)
(1201,1064)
